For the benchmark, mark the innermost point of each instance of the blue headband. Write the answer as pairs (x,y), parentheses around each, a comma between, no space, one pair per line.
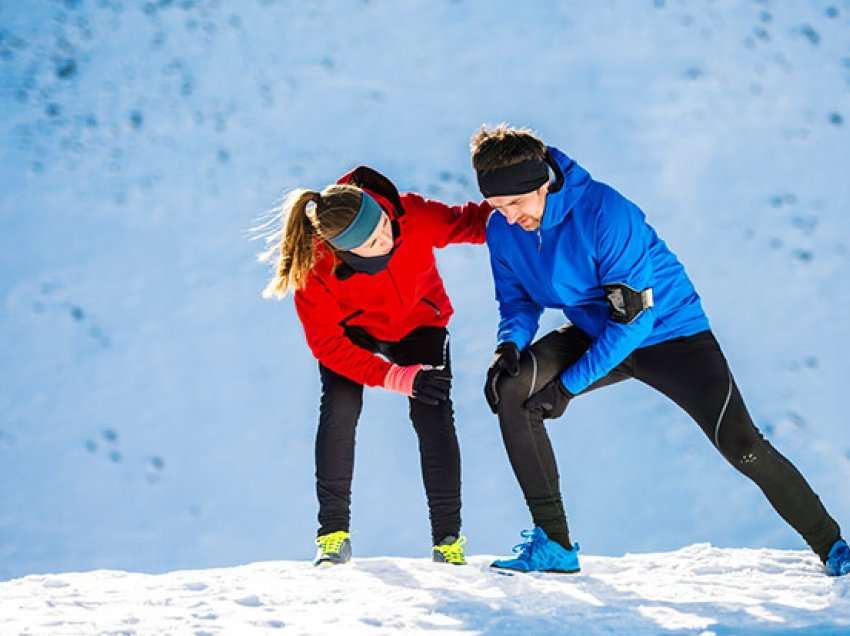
(361,226)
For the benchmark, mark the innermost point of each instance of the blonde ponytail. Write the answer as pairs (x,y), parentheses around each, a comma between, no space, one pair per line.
(294,254)
(292,249)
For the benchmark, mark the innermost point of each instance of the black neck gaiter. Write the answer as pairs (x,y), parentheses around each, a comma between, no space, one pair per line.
(366,264)
(371,264)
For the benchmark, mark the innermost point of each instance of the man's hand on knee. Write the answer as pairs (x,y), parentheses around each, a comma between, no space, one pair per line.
(551,400)
(506,359)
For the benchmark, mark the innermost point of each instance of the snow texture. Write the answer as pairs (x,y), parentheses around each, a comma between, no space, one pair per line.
(696,590)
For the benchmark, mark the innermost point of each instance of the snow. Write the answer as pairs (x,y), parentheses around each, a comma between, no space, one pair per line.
(696,590)
(157,415)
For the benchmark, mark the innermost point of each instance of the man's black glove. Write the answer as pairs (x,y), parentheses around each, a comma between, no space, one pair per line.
(431,386)
(552,400)
(506,359)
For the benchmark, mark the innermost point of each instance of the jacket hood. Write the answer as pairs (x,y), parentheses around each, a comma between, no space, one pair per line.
(571,183)
(374,182)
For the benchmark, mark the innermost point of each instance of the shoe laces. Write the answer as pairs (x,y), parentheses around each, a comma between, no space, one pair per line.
(330,543)
(453,551)
(525,549)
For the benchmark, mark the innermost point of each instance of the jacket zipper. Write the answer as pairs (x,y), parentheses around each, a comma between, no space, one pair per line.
(395,288)
(539,240)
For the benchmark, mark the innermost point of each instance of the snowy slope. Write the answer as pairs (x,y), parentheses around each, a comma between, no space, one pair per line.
(695,590)
(156,414)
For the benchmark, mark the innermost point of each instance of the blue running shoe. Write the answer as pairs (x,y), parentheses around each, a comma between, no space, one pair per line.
(838,560)
(538,553)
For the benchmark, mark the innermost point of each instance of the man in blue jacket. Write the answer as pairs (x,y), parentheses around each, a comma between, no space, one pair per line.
(562,240)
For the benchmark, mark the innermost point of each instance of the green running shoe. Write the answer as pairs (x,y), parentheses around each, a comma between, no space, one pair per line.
(334,549)
(450,550)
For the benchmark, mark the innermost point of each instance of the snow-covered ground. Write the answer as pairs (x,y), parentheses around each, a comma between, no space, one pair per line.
(695,590)
(157,415)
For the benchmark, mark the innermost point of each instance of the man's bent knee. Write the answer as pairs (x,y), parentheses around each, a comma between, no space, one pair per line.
(514,391)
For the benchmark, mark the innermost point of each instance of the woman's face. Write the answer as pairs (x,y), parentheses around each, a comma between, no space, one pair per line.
(380,242)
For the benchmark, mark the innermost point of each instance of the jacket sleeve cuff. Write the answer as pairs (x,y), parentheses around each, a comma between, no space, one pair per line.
(570,385)
(400,378)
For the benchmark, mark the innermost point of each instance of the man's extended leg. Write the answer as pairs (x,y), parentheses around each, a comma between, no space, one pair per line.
(524,432)
(693,372)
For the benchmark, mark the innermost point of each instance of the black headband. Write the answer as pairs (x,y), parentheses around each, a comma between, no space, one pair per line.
(519,178)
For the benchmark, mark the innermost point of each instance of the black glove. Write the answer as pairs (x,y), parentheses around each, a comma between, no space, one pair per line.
(506,359)
(431,386)
(552,400)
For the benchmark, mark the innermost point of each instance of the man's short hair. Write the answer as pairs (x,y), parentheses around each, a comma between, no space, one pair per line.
(504,146)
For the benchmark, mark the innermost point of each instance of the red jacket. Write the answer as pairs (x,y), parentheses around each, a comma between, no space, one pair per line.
(408,294)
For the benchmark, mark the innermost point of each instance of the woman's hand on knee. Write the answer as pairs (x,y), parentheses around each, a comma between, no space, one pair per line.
(432,386)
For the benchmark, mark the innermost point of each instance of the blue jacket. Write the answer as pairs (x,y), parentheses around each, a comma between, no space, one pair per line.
(590,236)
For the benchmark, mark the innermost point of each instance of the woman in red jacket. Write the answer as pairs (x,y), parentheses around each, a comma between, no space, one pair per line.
(360,258)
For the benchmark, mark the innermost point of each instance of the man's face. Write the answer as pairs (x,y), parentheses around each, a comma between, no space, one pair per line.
(525,209)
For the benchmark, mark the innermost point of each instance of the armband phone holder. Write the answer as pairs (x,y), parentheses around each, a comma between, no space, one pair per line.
(626,303)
